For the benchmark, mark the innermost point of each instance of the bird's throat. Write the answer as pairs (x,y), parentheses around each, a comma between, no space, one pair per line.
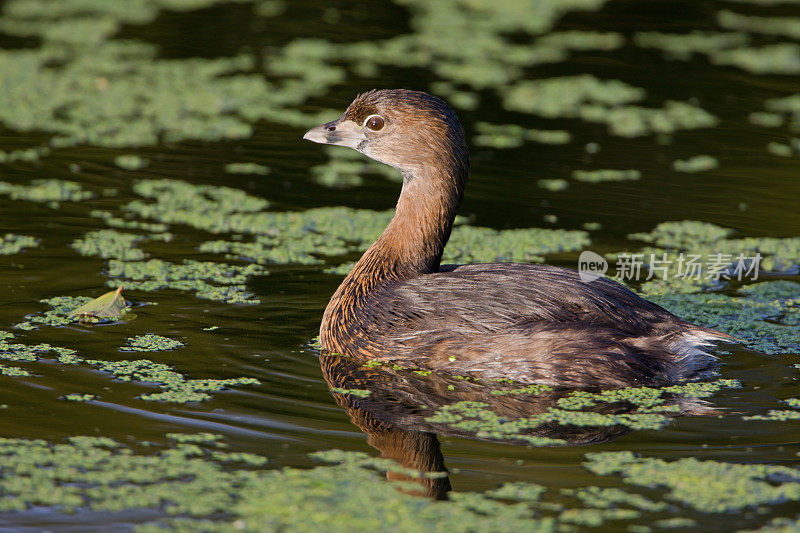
(414,241)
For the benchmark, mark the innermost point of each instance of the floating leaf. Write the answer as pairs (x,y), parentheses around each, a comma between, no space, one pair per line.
(108,306)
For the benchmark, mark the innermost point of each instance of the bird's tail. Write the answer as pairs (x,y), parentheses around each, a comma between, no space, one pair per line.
(710,335)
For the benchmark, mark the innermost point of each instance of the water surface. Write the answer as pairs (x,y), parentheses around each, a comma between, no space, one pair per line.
(292,412)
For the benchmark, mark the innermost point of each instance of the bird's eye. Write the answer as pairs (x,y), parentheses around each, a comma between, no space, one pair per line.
(374,122)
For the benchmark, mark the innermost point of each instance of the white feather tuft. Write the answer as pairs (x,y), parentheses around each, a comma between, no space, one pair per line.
(692,357)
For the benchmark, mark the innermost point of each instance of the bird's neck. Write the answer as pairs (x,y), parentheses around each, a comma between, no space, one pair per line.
(414,241)
(411,246)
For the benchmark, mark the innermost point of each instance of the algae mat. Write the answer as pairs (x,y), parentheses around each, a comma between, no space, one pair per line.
(155,144)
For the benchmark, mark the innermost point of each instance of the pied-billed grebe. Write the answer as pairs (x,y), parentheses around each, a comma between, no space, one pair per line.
(530,323)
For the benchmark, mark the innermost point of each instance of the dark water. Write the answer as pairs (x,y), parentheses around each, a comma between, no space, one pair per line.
(292,412)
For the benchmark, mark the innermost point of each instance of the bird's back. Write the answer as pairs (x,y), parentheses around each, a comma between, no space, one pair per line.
(533,323)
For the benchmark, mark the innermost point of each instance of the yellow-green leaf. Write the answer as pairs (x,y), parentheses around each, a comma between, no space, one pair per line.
(109,305)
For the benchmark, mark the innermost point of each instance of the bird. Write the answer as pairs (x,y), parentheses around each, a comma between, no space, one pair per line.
(529,323)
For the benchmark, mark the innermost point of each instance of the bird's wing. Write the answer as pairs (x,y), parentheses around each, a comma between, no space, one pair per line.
(494,296)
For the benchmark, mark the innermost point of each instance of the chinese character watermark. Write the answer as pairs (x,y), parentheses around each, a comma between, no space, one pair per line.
(713,267)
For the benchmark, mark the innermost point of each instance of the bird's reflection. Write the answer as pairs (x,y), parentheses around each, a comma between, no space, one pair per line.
(396,415)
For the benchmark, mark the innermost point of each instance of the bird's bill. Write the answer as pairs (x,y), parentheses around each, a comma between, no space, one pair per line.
(340,132)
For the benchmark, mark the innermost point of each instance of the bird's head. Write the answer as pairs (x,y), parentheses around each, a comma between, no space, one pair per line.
(408,130)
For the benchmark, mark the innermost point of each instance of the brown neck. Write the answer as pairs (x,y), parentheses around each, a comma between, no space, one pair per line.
(411,245)
(413,242)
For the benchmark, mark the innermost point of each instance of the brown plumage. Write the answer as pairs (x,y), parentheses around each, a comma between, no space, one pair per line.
(531,323)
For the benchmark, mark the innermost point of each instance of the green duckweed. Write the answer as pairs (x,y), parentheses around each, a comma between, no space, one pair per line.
(783,58)
(485,424)
(269,8)
(749,317)
(13,244)
(93,80)
(687,256)
(122,223)
(13,371)
(784,26)
(299,237)
(553,185)
(186,99)
(59,315)
(151,343)
(596,517)
(77,397)
(778,525)
(38,17)
(196,438)
(49,191)
(674,523)
(211,490)
(765,120)
(519,491)
(469,244)
(563,97)
(682,46)
(212,281)
(175,387)
(707,486)
(512,135)
(775,414)
(548,136)
(101,474)
(110,243)
(307,236)
(266,250)
(478,418)
(346,497)
(792,402)
(644,397)
(605,498)
(599,176)
(491,60)
(27,155)
(636,121)
(13,351)
(651,409)
(683,234)
(131,162)
(784,150)
(698,163)
(788,104)
(247,168)
(779,149)
(458,99)
(180,202)
(347,168)
(582,40)
(340,270)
